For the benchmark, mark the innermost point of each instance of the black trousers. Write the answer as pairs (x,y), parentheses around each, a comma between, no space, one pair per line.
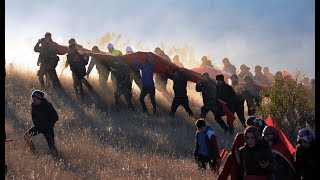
(217,112)
(184,102)
(54,78)
(202,162)
(48,134)
(144,92)
(126,91)
(77,83)
(239,110)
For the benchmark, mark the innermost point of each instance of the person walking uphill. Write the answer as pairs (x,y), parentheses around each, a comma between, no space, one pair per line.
(103,70)
(210,102)
(113,52)
(251,94)
(226,94)
(206,147)
(147,69)
(134,72)
(41,61)
(44,117)
(49,59)
(123,82)
(77,64)
(180,81)
(239,102)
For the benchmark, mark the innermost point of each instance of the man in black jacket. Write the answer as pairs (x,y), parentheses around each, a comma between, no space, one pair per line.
(210,101)
(44,116)
(239,103)
(180,81)
(77,64)
(226,94)
(123,82)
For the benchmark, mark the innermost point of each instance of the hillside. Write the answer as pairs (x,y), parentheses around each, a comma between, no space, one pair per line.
(96,142)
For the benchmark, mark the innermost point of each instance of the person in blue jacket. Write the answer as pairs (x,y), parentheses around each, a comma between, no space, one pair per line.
(147,70)
(206,147)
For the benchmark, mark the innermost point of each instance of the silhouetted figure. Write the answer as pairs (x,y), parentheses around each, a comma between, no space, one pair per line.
(228,67)
(123,83)
(180,80)
(210,101)
(244,70)
(161,79)
(102,69)
(259,76)
(251,94)
(77,64)
(226,94)
(176,61)
(205,62)
(134,72)
(49,56)
(268,74)
(239,102)
(113,52)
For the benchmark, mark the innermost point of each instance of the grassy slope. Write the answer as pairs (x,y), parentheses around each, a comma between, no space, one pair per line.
(98,143)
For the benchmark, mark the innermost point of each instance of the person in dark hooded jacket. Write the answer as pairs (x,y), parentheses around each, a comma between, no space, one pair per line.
(210,102)
(206,147)
(44,117)
(180,81)
(305,156)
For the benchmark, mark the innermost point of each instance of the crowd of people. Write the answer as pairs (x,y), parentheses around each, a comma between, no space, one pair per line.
(251,156)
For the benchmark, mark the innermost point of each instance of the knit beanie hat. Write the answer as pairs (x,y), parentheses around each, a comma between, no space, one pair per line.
(38,94)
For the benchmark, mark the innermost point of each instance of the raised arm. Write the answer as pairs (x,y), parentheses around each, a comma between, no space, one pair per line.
(37,47)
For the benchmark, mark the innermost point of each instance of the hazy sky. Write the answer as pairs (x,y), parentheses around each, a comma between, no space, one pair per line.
(274,33)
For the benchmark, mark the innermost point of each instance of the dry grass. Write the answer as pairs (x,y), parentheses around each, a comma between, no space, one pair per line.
(97,143)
